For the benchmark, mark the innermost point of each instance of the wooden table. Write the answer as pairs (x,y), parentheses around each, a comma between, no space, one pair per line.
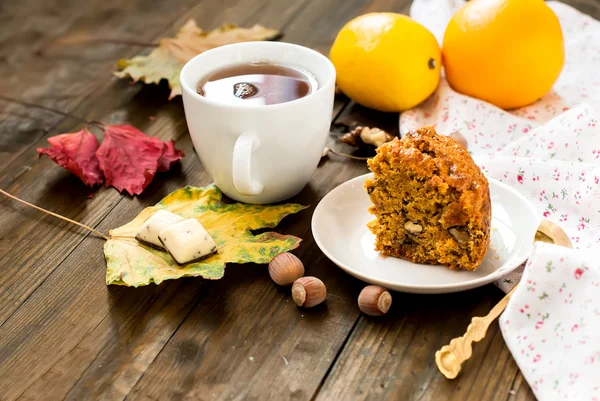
(65,335)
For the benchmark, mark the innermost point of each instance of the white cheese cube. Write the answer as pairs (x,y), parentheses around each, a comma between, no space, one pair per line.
(187,241)
(160,220)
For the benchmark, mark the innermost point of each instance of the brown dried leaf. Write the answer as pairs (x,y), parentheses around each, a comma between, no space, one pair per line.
(166,61)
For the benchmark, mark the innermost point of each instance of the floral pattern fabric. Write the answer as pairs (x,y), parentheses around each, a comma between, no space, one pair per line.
(550,152)
(552,324)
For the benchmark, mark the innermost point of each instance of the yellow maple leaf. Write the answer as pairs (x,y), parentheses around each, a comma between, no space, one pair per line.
(133,264)
(166,61)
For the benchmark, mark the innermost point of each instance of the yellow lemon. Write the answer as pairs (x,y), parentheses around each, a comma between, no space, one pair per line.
(386,61)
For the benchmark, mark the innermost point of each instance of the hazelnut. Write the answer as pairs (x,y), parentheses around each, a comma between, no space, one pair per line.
(308,291)
(413,227)
(285,268)
(459,235)
(374,300)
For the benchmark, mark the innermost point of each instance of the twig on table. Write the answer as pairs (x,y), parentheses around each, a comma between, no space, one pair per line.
(54,214)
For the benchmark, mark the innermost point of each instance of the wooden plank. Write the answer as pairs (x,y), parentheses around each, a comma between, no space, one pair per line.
(46,343)
(391,358)
(63,76)
(520,390)
(32,244)
(35,252)
(384,359)
(97,343)
(75,324)
(259,345)
(247,339)
(66,75)
(589,7)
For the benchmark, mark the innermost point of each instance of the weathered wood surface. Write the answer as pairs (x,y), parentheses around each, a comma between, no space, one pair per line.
(65,335)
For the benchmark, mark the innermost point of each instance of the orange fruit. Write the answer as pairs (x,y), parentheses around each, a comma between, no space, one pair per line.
(386,61)
(506,52)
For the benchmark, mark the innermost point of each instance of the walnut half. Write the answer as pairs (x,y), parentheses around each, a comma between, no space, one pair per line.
(413,227)
(459,235)
(367,135)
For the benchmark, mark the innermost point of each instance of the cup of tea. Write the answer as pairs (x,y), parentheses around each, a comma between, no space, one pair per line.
(259,115)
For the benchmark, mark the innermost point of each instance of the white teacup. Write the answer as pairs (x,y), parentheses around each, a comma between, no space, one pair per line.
(259,153)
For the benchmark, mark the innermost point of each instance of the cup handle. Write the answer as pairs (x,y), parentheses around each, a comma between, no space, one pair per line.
(245,145)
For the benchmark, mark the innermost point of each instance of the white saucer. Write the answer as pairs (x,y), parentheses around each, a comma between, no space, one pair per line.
(339,228)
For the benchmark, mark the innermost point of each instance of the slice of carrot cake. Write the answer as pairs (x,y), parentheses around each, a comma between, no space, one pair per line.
(431,201)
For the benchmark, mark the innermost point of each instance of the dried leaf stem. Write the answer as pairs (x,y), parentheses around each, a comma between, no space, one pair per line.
(115,41)
(62,113)
(347,155)
(54,214)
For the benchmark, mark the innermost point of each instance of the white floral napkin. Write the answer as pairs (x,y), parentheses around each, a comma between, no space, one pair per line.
(550,152)
(557,167)
(552,325)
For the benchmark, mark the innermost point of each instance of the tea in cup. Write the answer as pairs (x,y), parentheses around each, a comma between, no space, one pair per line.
(259,115)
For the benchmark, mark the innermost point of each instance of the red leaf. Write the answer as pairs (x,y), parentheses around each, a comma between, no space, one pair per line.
(169,156)
(129,158)
(77,153)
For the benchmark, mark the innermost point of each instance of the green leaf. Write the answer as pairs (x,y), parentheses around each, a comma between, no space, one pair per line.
(133,264)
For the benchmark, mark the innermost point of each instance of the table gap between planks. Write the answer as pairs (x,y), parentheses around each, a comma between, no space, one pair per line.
(65,335)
